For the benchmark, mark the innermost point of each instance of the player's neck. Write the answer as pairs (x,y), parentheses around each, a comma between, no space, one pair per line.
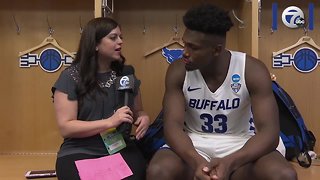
(219,66)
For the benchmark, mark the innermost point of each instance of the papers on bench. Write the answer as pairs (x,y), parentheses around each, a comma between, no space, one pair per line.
(112,167)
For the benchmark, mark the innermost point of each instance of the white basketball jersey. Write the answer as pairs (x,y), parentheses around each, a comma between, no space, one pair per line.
(225,111)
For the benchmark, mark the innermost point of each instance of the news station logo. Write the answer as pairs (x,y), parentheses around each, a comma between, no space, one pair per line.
(124,82)
(293,17)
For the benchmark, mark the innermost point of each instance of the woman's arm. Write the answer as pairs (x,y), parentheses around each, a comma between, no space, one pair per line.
(70,127)
(142,119)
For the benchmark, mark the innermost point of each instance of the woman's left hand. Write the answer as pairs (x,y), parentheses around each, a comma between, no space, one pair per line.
(142,124)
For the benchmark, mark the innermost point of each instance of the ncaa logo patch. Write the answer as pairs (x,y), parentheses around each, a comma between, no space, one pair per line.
(293,17)
(235,85)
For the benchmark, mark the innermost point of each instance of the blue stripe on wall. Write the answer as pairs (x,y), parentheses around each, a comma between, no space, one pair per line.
(311,16)
(274,16)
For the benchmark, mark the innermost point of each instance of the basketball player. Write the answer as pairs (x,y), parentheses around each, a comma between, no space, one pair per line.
(209,101)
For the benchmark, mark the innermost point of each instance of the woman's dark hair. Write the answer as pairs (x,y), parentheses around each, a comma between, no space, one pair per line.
(209,19)
(87,59)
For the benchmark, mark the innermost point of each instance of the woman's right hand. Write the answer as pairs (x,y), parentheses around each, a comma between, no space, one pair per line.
(123,114)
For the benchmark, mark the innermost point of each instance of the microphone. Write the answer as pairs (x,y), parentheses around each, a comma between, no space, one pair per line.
(125,84)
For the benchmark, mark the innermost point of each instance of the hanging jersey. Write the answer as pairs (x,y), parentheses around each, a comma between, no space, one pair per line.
(225,111)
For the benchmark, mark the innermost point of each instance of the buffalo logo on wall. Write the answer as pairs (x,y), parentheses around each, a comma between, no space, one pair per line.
(49,59)
(172,54)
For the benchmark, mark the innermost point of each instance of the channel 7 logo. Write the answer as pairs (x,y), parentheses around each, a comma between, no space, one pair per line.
(293,17)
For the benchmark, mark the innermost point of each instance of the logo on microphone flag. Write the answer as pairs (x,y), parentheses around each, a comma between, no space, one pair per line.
(125,82)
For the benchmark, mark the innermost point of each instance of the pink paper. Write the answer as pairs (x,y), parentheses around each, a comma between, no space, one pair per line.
(112,167)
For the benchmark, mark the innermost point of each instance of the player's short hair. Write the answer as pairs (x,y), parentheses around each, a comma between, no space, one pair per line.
(208,18)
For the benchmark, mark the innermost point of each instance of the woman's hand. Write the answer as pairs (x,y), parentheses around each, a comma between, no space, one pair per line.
(142,124)
(123,114)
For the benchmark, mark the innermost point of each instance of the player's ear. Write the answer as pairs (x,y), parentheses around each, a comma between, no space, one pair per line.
(217,50)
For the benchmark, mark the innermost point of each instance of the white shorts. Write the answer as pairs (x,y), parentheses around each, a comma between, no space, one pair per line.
(222,145)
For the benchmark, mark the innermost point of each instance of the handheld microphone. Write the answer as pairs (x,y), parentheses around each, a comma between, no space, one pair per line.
(125,84)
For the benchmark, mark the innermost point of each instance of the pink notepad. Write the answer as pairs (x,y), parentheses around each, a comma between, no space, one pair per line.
(112,167)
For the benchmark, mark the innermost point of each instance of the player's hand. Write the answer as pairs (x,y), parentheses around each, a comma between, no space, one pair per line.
(220,169)
(142,124)
(202,172)
(123,114)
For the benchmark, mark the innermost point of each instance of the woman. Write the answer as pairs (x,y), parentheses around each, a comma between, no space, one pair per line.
(88,105)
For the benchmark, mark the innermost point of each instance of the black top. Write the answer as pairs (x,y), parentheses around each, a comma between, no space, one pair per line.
(100,105)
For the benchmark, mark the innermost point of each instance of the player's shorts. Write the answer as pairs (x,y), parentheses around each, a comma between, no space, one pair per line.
(221,145)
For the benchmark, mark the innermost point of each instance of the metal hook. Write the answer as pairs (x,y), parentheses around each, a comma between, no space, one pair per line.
(305,31)
(106,9)
(51,30)
(81,28)
(175,28)
(144,25)
(238,19)
(259,18)
(17,26)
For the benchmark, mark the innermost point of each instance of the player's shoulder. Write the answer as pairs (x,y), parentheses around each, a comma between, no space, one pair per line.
(177,63)
(176,71)
(256,72)
(254,64)
(177,66)
(251,62)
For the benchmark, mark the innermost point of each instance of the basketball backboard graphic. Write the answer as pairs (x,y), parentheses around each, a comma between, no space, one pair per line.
(50,59)
(305,59)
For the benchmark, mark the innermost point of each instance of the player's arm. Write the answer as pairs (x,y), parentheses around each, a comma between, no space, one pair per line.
(174,111)
(265,114)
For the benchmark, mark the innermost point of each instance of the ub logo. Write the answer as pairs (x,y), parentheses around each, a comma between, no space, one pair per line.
(293,17)
(172,54)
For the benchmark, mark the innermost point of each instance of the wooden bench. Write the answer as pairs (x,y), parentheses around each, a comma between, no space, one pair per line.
(14,167)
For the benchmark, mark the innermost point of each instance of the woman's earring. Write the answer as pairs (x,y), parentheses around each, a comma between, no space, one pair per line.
(97,49)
